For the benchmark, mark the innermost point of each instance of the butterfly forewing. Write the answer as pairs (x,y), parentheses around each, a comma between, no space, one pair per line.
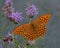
(42,20)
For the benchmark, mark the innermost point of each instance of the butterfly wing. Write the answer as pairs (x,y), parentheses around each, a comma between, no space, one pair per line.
(22,30)
(42,20)
(39,25)
(40,32)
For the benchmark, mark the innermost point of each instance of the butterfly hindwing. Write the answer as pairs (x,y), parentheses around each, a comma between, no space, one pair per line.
(40,31)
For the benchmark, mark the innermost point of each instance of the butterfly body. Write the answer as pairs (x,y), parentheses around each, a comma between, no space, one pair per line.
(35,29)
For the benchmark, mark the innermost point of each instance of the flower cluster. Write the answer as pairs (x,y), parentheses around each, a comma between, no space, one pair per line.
(32,10)
(16,17)
(9,38)
(10,13)
(8,9)
(9,2)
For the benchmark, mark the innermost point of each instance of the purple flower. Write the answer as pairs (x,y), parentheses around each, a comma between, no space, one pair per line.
(8,11)
(8,2)
(16,17)
(32,10)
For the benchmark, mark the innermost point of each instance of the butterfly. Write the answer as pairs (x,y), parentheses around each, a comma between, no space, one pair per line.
(35,29)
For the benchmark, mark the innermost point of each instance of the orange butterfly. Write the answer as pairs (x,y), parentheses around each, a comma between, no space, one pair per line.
(35,29)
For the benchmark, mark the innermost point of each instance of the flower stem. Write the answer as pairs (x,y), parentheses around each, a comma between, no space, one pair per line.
(15,35)
(30,20)
(18,43)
